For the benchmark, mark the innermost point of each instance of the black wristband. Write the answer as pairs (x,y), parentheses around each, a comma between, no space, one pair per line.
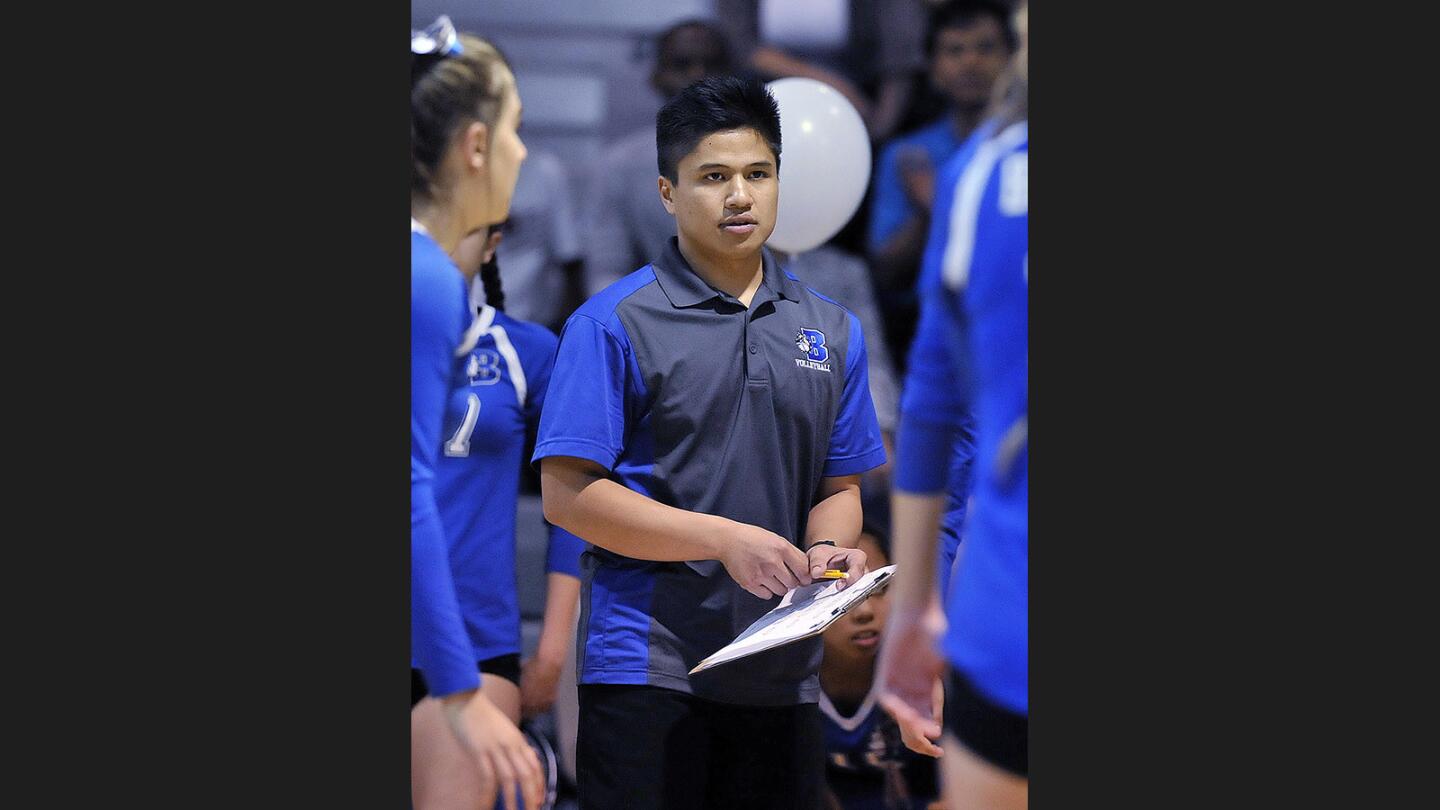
(822,543)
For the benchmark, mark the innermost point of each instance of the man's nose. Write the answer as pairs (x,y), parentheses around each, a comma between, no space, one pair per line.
(738,195)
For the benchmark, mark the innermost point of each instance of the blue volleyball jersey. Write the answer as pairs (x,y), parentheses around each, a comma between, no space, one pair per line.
(439,317)
(506,371)
(979,251)
(936,421)
(860,749)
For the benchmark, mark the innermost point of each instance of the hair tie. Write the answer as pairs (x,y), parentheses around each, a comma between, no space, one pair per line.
(430,46)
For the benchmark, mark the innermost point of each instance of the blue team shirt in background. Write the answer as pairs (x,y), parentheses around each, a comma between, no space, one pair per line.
(889,205)
(439,320)
(859,751)
(506,371)
(979,251)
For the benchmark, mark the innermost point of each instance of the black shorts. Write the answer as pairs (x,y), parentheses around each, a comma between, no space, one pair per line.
(501,666)
(650,748)
(996,734)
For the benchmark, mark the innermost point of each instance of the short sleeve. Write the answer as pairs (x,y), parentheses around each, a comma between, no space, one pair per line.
(855,444)
(585,413)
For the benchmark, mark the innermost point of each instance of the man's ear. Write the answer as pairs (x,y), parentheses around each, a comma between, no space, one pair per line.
(666,189)
(476,143)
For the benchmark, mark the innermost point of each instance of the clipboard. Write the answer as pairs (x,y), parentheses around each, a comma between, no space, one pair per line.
(804,612)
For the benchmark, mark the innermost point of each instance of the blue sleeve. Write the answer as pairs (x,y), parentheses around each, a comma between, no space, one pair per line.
(932,407)
(952,524)
(439,645)
(855,444)
(934,414)
(563,554)
(889,207)
(586,413)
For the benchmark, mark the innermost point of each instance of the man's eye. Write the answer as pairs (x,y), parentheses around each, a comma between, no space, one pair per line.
(714,176)
(758,174)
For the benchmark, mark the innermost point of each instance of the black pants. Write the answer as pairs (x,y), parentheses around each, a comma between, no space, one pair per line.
(648,748)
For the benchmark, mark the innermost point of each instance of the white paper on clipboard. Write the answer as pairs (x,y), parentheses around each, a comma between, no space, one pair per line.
(804,612)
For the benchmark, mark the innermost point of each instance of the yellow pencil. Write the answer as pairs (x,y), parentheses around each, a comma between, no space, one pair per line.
(834,573)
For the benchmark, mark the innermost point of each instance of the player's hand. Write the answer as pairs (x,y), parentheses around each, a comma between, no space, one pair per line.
(539,680)
(762,562)
(500,751)
(909,673)
(918,177)
(850,560)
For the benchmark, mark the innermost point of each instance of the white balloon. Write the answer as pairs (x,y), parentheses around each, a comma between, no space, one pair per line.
(824,163)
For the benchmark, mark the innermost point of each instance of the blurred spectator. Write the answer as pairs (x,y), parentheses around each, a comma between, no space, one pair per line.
(539,258)
(867,767)
(969,43)
(627,224)
(868,50)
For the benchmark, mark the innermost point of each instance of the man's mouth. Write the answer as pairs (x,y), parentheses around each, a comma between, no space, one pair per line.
(742,224)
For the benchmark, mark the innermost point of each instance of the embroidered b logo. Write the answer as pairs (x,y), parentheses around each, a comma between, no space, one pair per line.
(812,343)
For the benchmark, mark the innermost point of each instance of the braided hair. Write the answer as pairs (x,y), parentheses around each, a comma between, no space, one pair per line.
(490,274)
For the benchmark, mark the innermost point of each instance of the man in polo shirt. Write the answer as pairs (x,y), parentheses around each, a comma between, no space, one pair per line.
(705,428)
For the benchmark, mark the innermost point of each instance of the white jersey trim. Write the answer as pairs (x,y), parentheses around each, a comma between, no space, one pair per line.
(861,714)
(477,328)
(960,248)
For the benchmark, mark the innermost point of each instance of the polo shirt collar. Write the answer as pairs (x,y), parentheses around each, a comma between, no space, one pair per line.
(685,288)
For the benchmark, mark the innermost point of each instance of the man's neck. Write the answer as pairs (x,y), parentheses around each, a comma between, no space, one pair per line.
(739,277)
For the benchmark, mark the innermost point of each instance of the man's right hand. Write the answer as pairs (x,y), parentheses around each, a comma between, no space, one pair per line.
(764,563)
(499,749)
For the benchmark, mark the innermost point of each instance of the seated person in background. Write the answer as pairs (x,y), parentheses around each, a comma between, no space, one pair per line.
(867,767)
(969,43)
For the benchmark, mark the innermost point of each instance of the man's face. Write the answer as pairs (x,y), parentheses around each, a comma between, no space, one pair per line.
(725,194)
(687,56)
(967,61)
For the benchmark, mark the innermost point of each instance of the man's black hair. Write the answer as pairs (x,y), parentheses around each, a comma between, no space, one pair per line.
(714,104)
(963,14)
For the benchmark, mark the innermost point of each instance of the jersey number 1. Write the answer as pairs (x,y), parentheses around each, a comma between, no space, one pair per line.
(459,444)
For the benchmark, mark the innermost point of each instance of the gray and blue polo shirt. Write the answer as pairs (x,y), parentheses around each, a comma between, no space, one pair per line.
(689,398)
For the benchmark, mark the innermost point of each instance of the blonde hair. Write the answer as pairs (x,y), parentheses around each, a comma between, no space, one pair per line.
(448,94)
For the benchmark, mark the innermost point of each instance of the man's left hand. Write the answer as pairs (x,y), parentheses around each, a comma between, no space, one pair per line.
(850,560)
